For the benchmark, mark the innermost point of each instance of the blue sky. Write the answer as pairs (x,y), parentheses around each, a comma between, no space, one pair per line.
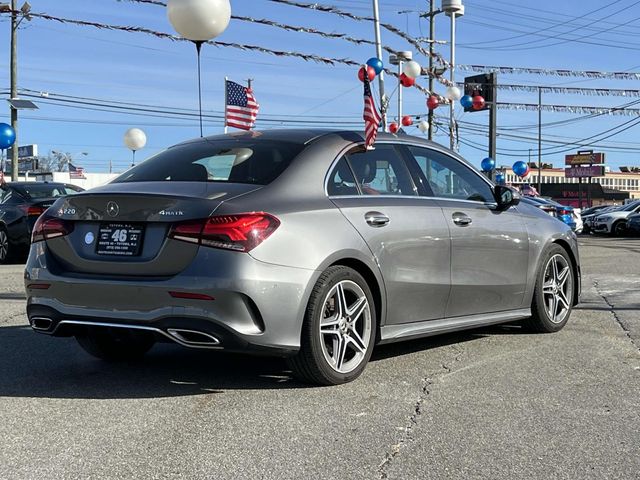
(136,68)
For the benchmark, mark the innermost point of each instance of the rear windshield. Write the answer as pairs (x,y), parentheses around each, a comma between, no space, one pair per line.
(232,161)
(47,191)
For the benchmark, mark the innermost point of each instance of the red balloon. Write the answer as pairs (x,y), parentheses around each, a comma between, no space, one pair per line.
(407,81)
(433,102)
(478,102)
(407,121)
(370,70)
(393,127)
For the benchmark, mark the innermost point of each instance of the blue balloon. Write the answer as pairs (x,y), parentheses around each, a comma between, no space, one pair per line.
(7,136)
(520,168)
(488,164)
(376,64)
(466,101)
(500,179)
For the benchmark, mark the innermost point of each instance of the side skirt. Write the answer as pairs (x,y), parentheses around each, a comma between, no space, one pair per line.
(405,331)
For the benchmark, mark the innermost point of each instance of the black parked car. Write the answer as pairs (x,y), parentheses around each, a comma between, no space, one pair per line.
(21,203)
(633,224)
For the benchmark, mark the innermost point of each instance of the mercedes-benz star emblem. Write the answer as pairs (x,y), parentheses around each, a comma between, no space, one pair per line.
(113,209)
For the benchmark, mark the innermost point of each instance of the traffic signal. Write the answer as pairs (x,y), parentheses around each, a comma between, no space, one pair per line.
(483,85)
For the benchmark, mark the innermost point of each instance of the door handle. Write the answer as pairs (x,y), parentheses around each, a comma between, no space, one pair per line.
(376,219)
(461,219)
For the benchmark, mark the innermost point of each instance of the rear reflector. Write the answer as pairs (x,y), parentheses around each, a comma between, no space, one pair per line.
(47,228)
(191,296)
(242,232)
(38,286)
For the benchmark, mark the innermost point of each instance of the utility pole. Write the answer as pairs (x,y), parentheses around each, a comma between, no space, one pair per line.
(493,117)
(540,141)
(432,35)
(14,87)
(383,109)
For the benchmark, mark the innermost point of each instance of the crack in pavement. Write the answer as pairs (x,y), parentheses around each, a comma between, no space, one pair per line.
(407,435)
(612,309)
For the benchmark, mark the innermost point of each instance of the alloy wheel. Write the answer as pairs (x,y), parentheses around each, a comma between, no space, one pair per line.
(345,326)
(4,245)
(557,288)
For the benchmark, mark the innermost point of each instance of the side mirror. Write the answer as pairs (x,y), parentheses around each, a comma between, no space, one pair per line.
(506,197)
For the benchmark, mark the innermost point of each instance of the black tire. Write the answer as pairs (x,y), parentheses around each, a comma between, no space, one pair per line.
(116,344)
(619,228)
(6,248)
(312,363)
(541,305)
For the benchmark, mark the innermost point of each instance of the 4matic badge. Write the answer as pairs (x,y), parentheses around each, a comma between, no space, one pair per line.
(170,213)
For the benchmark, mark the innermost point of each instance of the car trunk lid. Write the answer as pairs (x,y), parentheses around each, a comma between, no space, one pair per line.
(121,229)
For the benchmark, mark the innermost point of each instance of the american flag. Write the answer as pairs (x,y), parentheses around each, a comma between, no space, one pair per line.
(371,116)
(76,172)
(529,190)
(242,108)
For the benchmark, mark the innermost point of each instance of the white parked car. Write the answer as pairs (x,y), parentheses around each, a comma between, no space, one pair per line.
(577,217)
(614,222)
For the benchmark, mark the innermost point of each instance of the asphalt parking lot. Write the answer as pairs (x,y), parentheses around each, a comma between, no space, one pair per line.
(493,403)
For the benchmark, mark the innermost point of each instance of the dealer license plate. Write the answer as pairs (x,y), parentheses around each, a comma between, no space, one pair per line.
(122,239)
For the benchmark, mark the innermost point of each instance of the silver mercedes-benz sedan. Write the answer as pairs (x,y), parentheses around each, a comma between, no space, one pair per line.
(297,243)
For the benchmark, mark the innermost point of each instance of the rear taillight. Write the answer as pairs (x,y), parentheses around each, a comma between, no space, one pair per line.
(242,232)
(47,228)
(33,211)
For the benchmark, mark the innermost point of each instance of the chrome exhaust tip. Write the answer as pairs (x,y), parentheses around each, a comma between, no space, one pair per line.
(41,323)
(193,337)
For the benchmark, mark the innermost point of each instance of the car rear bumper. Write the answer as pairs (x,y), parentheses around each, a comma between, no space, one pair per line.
(245,304)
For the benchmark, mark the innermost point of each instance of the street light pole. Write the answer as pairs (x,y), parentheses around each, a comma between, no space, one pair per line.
(453,9)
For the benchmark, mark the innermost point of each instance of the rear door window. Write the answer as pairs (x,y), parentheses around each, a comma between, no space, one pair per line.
(381,172)
(341,181)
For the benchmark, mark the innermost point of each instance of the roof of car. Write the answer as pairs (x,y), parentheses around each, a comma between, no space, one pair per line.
(307,135)
(22,184)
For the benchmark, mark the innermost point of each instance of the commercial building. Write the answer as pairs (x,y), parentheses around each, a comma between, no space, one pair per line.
(612,188)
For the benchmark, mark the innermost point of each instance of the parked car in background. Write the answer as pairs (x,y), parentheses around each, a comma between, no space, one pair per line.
(589,215)
(614,222)
(593,210)
(633,224)
(562,212)
(21,203)
(298,243)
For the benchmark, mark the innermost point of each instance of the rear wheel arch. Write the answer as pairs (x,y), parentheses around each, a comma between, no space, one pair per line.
(371,279)
(614,227)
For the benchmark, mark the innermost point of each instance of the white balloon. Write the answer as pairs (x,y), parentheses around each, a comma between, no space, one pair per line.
(423,126)
(199,20)
(135,139)
(453,93)
(412,69)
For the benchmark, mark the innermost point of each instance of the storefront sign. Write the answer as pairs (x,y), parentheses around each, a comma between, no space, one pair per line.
(584,159)
(584,172)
